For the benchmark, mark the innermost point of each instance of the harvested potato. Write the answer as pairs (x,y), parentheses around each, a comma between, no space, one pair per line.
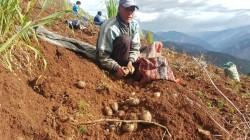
(146,116)
(81,84)
(114,106)
(128,127)
(132,101)
(157,94)
(108,111)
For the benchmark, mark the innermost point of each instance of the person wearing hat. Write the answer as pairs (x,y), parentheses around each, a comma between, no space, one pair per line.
(118,41)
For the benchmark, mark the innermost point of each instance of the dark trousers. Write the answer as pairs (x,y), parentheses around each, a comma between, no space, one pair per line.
(121,48)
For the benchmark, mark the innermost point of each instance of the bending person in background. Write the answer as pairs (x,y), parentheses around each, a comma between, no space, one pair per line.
(119,41)
(99,19)
(76,8)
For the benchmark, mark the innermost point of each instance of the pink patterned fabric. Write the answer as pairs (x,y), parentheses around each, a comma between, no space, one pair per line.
(152,65)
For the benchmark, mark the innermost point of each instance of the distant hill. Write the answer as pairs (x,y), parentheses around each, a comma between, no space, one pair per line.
(240,50)
(234,41)
(179,37)
(215,58)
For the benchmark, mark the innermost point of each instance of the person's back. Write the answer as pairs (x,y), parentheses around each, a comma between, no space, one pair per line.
(98,18)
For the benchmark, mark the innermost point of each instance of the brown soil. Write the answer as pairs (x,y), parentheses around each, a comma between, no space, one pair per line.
(46,104)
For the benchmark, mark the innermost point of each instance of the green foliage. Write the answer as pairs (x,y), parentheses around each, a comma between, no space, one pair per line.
(209,104)
(142,34)
(235,85)
(112,8)
(220,104)
(17,29)
(82,106)
(149,37)
(231,110)
(246,95)
(200,94)
(82,129)
(102,86)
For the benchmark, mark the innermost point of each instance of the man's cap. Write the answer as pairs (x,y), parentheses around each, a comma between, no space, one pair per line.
(128,3)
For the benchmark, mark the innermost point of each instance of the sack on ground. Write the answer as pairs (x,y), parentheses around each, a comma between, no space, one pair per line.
(152,51)
(153,69)
(151,65)
(230,71)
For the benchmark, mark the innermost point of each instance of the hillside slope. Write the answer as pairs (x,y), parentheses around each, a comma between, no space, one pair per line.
(48,105)
(216,58)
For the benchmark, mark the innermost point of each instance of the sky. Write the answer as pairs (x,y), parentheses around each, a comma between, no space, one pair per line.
(184,15)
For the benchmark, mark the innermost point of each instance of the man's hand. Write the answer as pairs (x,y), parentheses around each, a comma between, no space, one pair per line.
(125,70)
(122,72)
(130,67)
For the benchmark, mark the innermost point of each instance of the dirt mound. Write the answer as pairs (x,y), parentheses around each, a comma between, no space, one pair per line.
(48,104)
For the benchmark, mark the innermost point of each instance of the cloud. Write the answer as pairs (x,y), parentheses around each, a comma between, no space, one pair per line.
(147,17)
(231,4)
(204,16)
(185,15)
(195,15)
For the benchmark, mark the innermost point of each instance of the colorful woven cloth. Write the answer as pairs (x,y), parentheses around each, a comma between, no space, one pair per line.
(152,65)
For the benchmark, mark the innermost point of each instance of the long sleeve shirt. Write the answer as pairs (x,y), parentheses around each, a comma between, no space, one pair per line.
(109,31)
(75,9)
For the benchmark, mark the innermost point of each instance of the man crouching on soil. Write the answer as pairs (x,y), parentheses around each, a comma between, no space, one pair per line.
(119,41)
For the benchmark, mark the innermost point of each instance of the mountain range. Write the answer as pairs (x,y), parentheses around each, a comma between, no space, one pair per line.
(235,41)
(216,58)
(219,47)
